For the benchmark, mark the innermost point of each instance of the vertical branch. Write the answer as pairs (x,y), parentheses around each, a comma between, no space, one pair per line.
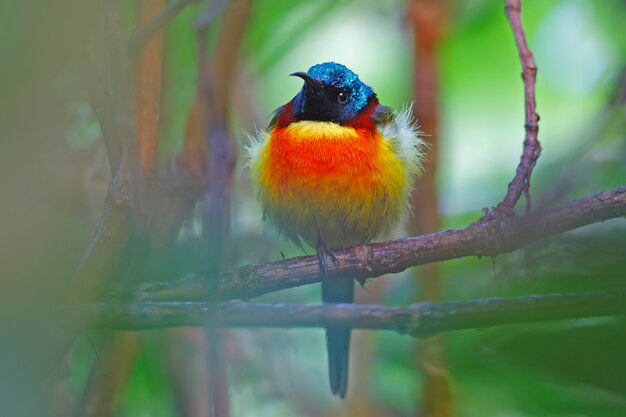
(215,80)
(109,375)
(148,82)
(156,25)
(191,158)
(123,111)
(427,19)
(147,100)
(185,350)
(532,148)
(363,358)
(139,138)
(180,187)
(148,76)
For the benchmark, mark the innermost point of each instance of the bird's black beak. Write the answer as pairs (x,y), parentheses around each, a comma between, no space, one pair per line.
(310,81)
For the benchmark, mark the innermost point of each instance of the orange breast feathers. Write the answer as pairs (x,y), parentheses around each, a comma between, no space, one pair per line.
(323,182)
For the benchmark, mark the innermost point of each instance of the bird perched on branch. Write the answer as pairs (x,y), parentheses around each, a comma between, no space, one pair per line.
(334,169)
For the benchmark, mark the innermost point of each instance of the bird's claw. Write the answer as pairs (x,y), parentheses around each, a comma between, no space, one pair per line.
(323,253)
(362,280)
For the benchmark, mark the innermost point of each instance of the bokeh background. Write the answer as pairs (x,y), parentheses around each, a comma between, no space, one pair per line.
(54,178)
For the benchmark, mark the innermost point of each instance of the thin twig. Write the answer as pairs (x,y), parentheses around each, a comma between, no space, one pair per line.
(532,148)
(373,260)
(418,320)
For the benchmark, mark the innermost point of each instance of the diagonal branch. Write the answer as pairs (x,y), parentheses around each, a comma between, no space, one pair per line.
(418,320)
(370,261)
(141,37)
(111,94)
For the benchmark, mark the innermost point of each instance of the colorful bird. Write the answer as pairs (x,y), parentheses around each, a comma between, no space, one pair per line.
(334,169)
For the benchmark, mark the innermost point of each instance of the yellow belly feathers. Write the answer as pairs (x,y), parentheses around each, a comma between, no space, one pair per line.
(322,182)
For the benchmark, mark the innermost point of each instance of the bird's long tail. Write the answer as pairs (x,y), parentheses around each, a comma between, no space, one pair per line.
(338,337)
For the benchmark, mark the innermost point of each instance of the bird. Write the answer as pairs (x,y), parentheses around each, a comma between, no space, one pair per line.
(334,169)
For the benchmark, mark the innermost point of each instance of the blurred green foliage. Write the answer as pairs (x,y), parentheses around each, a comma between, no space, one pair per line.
(572,368)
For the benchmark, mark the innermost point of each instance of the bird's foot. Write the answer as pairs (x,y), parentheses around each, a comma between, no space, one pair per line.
(323,253)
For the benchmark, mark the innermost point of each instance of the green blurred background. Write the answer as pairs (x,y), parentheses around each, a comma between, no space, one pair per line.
(54,178)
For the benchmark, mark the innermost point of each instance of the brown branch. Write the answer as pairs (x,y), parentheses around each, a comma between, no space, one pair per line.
(109,373)
(373,260)
(100,392)
(108,82)
(215,88)
(183,181)
(215,85)
(148,77)
(418,320)
(111,97)
(122,83)
(192,159)
(428,19)
(532,148)
(143,35)
(104,257)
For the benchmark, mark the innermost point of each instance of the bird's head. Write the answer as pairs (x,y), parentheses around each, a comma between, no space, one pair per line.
(331,92)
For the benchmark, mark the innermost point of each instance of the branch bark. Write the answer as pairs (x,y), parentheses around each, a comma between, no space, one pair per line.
(418,320)
(215,83)
(111,95)
(428,19)
(140,137)
(532,148)
(143,35)
(483,238)
(148,79)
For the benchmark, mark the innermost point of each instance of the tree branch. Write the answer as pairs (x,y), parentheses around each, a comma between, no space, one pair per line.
(111,94)
(373,260)
(428,19)
(532,148)
(215,84)
(148,80)
(418,320)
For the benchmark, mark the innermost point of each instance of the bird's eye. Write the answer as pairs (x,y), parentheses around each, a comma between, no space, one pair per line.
(342,97)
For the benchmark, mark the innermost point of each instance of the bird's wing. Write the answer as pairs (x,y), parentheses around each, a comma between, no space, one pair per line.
(275,117)
(382,115)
